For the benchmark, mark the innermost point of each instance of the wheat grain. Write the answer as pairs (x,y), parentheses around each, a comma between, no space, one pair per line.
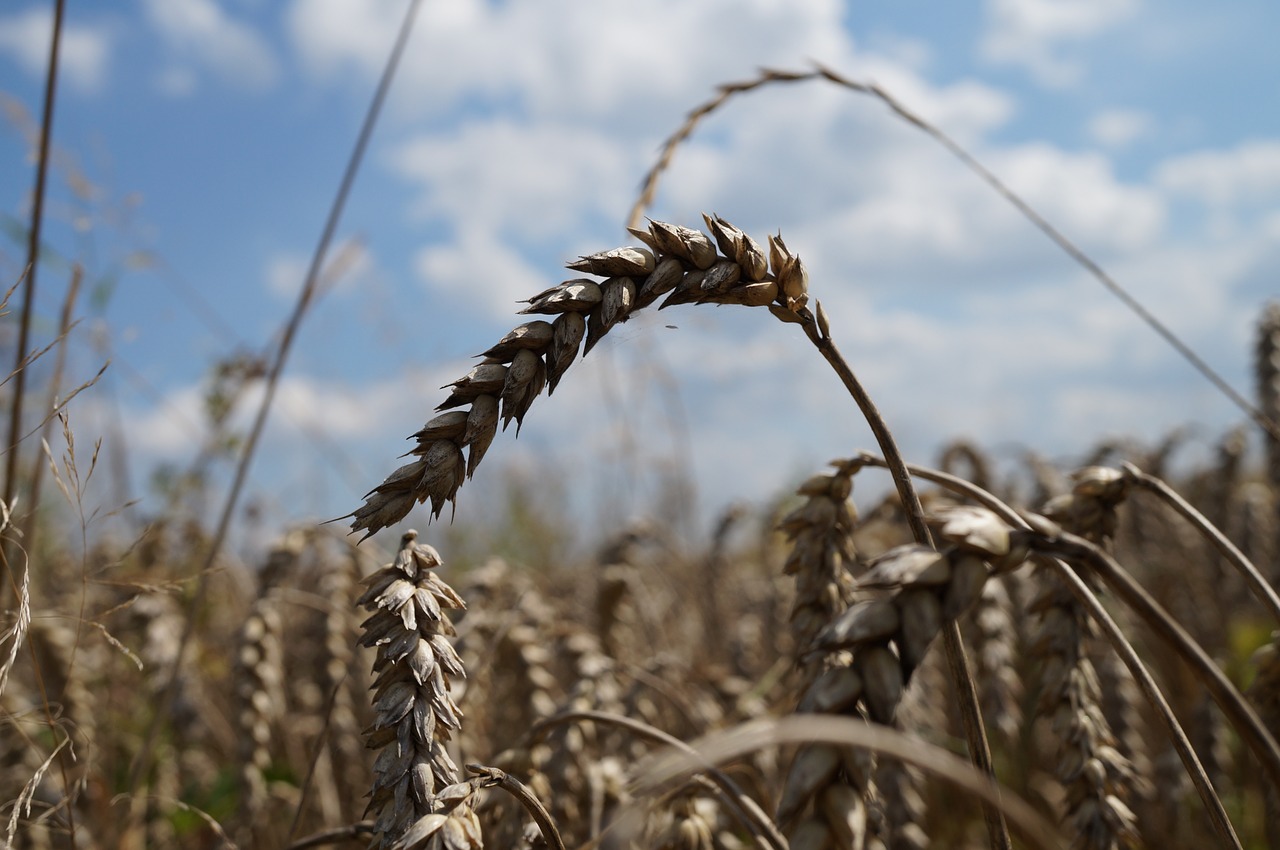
(824,797)
(993,636)
(260,699)
(417,797)
(1096,777)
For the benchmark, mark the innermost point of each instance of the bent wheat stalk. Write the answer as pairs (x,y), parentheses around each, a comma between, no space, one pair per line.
(748,737)
(748,812)
(1124,649)
(685,266)
(1265,593)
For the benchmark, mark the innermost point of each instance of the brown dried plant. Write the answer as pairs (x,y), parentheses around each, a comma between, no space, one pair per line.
(418,798)
(679,265)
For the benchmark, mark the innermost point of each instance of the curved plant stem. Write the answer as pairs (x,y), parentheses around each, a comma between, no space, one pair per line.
(341,835)
(1260,586)
(1124,649)
(770,76)
(142,759)
(1250,727)
(846,731)
(957,661)
(751,815)
(491,776)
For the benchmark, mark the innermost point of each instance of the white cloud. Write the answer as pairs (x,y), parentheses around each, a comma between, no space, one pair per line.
(1035,34)
(83,53)
(478,272)
(1117,128)
(568,58)
(956,312)
(1080,194)
(1232,186)
(526,178)
(1248,172)
(201,32)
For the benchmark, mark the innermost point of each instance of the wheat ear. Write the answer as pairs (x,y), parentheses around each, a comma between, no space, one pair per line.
(418,797)
(824,798)
(680,265)
(1048,538)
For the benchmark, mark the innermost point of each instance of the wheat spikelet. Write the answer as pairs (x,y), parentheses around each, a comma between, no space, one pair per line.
(824,796)
(691,823)
(899,785)
(505,640)
(888,633)
(994,638)
(619,622)
(680,263)
(259,691)
(417,797)
(1255,507)
(580,763)
(1096,777)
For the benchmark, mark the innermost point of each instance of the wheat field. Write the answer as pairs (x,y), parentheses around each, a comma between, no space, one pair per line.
(1083,656)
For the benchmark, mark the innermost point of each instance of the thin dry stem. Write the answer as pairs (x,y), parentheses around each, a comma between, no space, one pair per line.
(769,76)
(1087,598)
(846,732)
(305,297)
(1261,588)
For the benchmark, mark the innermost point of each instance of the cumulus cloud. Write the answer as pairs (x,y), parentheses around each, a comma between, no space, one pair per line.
(200,32)
(1248,172)
(1038,34)
(1233,186)
(535,180)
(1117,128)
(478,272)
(957,313)
(608,59)
(84,51)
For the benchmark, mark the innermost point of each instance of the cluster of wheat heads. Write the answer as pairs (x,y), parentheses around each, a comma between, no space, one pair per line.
(1080,715)
(521,708)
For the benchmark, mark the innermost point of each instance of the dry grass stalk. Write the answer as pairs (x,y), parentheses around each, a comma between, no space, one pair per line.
(417,796)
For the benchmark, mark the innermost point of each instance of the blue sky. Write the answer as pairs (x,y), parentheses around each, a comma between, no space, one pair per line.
(211,137)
